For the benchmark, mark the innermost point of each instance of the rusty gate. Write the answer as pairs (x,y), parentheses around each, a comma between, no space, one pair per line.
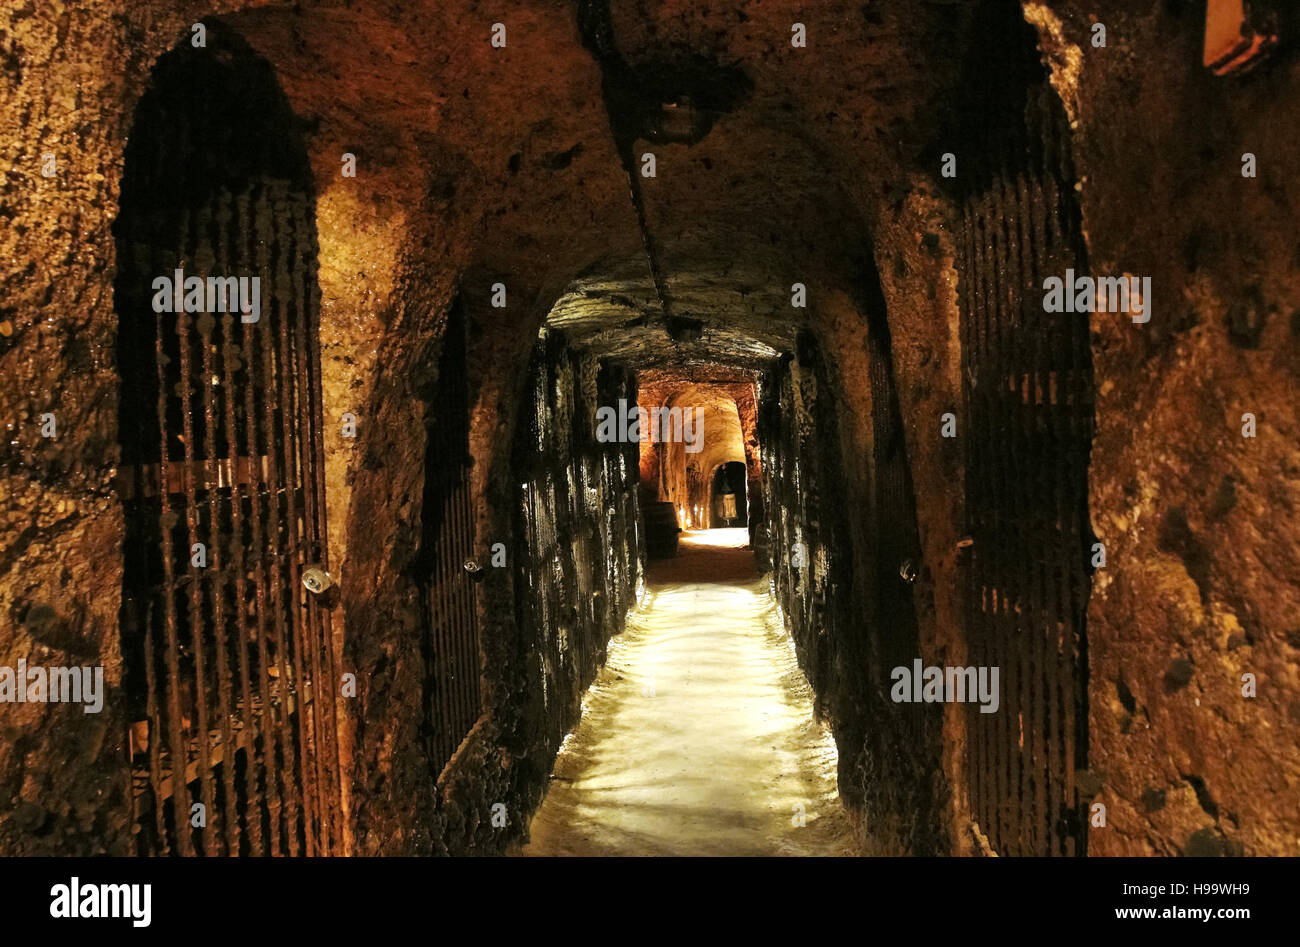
(230,669)
(447,565)
(1028,403)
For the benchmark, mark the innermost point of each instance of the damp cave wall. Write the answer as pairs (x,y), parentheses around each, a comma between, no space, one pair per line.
(578,535)
(850,614)
(1202,577)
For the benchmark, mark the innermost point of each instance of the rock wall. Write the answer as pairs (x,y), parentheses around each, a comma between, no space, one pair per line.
(1201,583)
(852,615)
(580,563)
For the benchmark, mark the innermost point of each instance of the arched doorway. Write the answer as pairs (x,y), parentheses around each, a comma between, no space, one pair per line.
(447,566)
(230,671)
(727,495)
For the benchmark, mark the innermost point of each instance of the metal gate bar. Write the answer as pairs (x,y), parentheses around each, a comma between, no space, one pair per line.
(260,755)
(1028,405)
(452,648)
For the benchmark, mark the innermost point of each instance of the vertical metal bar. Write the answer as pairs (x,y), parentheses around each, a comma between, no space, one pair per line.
(981,504)
(976,762)
(267,588)
(456,592)
(268,234)
(227,251)
(456,628)
(997,467)
(1051,256)
(195,578)
(162,227)
(159,588)
(455,580)
(292,666)
(155,737)
(441,643)
(436,506)
(1070,549)
(975,504)
(992,463)
(309,615)
(327,688)
(175,719)
(205,260)
(1056,749)
(1033,268)
(965,273)
(1024,625)
(469,645)
(1038,324)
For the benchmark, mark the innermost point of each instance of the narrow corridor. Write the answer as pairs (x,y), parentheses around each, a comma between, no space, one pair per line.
(698,737)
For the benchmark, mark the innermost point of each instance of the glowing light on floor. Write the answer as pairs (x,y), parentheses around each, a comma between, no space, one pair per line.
(698,737)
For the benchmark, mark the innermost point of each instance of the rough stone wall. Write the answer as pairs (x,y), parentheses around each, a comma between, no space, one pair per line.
(850,620)
(579,563)
(1202,577)
(915,260)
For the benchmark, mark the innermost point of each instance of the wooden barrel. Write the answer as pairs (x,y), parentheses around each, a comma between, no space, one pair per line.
(661,530)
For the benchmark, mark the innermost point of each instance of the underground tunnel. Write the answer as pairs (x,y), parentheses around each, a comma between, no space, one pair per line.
(632,427)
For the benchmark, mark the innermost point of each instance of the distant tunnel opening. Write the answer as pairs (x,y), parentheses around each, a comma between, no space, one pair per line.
(727,495)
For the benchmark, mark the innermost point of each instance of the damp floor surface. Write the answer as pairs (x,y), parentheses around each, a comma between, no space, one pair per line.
(698,736)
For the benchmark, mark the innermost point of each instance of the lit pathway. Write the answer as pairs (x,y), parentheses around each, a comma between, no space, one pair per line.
(698,736)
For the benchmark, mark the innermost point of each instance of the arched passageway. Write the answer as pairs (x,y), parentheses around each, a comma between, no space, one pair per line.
(394,396)
(727,495)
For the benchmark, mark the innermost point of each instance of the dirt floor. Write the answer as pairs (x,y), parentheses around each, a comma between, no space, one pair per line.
(698,737)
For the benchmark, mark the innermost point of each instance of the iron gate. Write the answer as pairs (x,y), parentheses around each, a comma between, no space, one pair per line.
(230,663)
(451,642)
(1028,402)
